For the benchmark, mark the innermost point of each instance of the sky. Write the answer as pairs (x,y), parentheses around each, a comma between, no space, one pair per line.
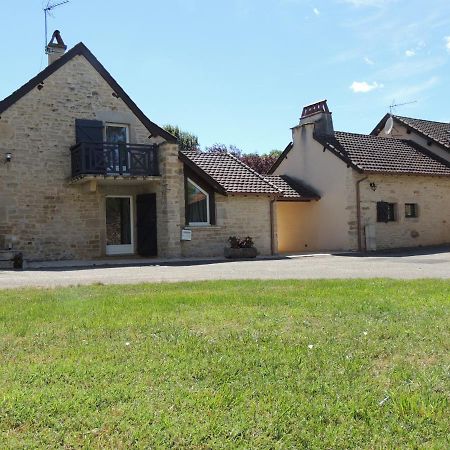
(238,72)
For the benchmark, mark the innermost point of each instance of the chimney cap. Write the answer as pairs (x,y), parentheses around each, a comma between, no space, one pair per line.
(59,41)
(315,108)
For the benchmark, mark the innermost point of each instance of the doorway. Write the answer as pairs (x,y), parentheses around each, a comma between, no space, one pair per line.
(119,225)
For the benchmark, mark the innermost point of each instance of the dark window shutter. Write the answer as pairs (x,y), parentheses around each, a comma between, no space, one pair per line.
(382,212)
(90,131)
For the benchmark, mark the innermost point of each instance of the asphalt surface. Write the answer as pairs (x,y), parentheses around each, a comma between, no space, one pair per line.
(406,265)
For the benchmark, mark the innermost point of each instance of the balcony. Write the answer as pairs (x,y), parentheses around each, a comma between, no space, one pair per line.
(114,160)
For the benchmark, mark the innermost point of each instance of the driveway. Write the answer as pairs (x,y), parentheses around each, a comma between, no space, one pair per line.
(405,265)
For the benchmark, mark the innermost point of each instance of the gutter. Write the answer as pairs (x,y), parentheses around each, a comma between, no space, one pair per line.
(358,212)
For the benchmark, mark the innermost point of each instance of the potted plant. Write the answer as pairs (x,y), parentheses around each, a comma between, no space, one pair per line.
(240,248)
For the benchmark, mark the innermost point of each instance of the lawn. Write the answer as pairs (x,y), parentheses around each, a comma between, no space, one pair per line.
(254,364)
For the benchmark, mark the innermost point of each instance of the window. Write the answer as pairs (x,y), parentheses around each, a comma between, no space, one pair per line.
(410,210)
(197,204)
(386,212)
(116,135)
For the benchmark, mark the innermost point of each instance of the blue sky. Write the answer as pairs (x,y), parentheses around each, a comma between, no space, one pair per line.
(239,71)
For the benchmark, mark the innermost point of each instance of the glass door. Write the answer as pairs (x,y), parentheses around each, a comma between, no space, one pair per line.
(119,226)
(115,136)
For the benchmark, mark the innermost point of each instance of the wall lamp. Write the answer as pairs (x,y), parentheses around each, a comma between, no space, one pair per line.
(373,186)
(8,157)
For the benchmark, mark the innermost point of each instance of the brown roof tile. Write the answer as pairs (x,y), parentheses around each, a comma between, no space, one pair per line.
(369,153)
(437,131)
(229,173)
(292,189)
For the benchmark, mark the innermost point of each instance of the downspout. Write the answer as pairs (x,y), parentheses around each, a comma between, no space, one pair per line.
(358,212)
(272,230)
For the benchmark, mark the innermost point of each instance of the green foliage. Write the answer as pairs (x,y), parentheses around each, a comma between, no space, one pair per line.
(241,364)
(186,140)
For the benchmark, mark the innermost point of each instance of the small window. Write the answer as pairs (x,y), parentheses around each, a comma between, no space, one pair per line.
(116,133)
(386,212)
(410,210)
(197,204)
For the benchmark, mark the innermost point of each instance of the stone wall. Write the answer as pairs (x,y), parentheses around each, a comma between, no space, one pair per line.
(41,213)
(431,194)
(235,216)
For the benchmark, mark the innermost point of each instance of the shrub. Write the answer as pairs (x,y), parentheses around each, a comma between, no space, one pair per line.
(236,242)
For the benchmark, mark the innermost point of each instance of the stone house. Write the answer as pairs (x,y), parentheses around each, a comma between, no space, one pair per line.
(86,174)
(389,189)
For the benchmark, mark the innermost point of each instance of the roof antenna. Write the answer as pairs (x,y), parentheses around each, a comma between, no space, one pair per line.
(389,125)
(394,105)
(47,9)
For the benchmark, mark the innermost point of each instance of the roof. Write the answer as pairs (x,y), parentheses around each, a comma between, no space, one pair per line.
(367,153)
(227,174)
(438,132)
(293,190)
(81,49)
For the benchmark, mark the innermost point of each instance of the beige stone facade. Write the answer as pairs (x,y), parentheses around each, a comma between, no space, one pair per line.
(331,223)
(430,194)
(47,216)
(236,216)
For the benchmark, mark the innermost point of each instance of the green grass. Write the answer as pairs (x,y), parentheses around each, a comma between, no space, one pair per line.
(255,364)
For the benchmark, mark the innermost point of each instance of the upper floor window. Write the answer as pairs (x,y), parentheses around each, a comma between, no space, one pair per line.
(116,133)
(197,204)
(386,212)
(411,210)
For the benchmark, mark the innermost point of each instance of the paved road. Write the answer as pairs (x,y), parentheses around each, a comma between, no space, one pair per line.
(401,266)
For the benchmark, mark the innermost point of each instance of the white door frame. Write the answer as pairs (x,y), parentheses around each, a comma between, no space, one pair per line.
(122,249)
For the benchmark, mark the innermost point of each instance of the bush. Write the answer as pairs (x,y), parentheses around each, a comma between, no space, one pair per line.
(236,242)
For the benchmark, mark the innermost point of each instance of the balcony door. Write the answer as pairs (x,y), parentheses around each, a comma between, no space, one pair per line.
(116,135)
(119,225)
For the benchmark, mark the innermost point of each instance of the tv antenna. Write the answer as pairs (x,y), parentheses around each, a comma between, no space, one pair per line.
(394,105)
(47,12)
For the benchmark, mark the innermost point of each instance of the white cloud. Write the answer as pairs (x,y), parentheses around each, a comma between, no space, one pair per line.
(363,86)
(368,61)
(410,53)
(316,12)
(447,43)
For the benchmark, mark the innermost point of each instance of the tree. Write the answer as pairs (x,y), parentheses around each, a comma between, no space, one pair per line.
(186,141)
(259,163)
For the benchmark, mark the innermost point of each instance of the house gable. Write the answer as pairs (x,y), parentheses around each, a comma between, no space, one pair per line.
(38,82)
(432,136)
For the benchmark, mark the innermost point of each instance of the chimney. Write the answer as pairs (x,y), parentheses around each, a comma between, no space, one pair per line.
(318,114)
(55,49)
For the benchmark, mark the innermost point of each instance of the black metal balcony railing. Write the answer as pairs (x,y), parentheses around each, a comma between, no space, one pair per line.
(114,159)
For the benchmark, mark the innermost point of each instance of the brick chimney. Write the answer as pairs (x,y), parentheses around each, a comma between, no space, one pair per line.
(318,114)
(56,47)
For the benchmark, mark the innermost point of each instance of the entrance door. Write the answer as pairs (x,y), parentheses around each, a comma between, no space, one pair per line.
(146,225)
(119,226)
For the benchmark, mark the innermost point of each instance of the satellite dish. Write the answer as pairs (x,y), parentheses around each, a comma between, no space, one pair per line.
(389,125)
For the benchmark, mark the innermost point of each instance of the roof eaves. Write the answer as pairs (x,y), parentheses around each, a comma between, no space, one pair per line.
(419,131)
(280,158)
(401,120)
(427,152)
(292,182)
(332,149)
